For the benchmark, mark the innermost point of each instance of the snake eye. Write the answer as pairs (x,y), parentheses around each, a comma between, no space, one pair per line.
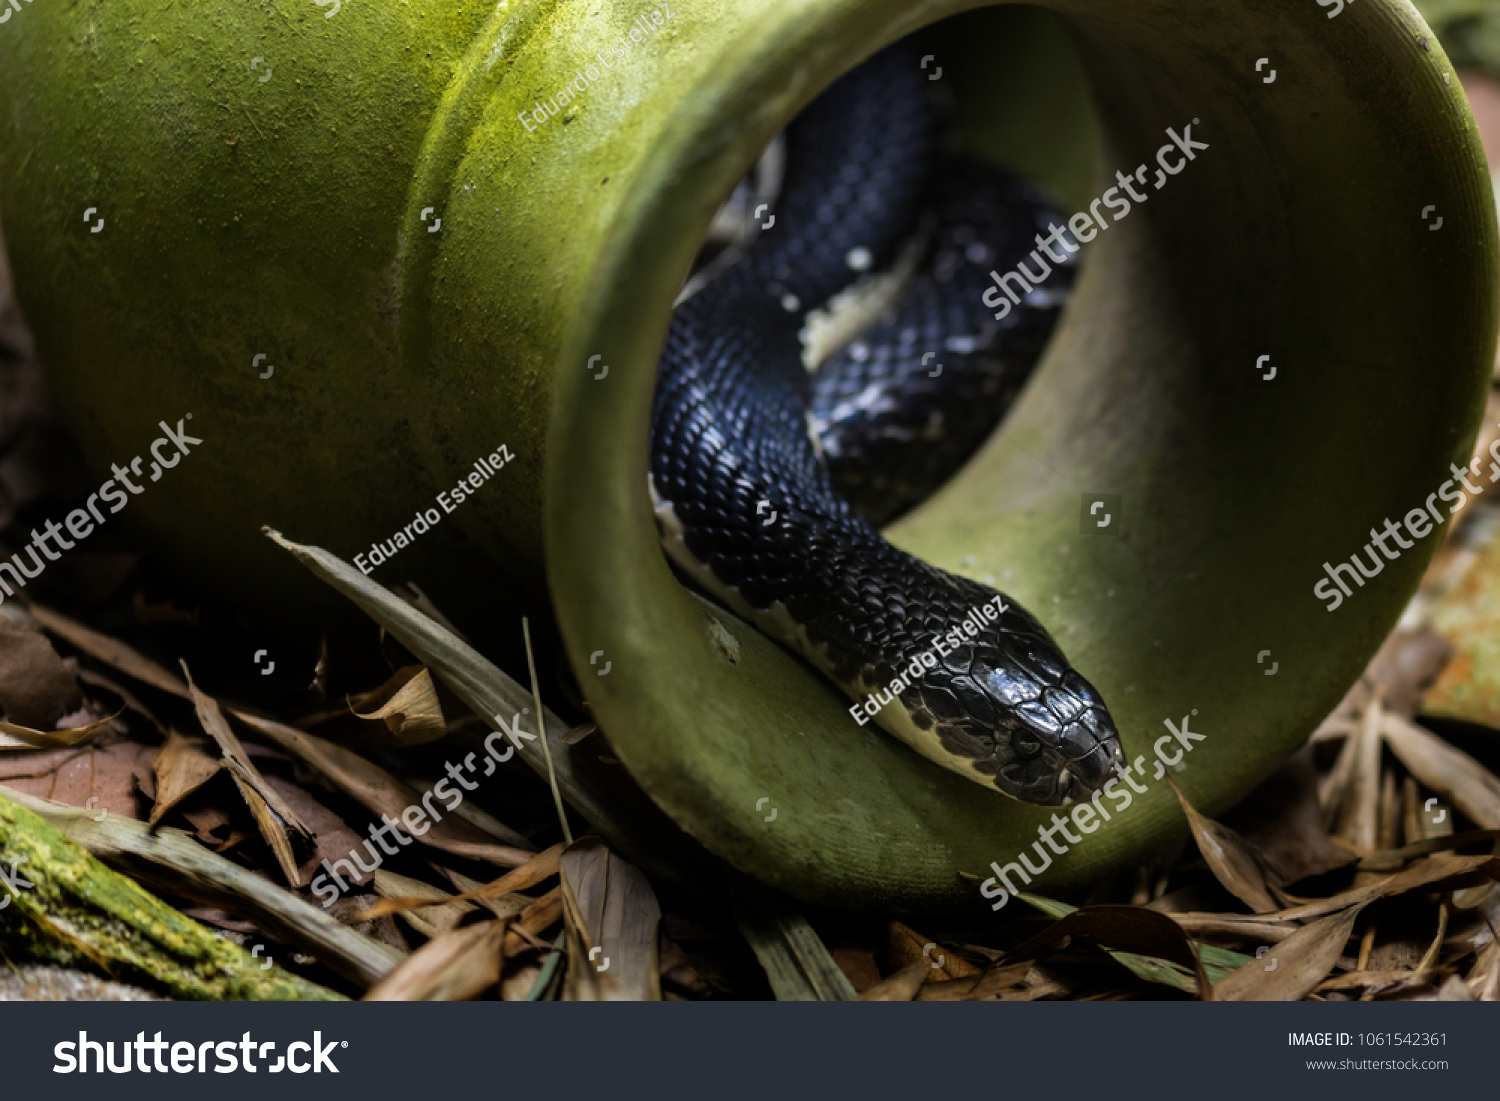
(1026,744)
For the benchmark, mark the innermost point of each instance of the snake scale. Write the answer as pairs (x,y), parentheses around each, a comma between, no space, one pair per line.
(770,481)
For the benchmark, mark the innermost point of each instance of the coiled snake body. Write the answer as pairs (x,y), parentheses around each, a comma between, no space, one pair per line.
(768,481)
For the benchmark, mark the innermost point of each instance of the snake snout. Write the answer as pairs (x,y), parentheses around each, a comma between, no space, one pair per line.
(1056,743)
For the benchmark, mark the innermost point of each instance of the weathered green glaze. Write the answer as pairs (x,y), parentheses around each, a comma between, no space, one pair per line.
(286,217)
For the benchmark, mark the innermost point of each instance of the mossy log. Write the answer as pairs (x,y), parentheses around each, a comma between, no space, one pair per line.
(61,905)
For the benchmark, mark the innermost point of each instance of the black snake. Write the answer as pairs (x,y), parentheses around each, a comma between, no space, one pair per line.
(768,480)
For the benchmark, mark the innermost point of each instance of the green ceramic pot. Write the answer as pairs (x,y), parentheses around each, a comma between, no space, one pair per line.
(296,216)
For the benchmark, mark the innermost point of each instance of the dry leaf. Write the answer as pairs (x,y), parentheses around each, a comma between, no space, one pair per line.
(441,917)
(1230,858)
(36,687)
(99,779)
(182,765)
(410,709)
(539,916)
(1129,930)
(379,792)
(1449,772)
(613,924)
(110,651)
(454,967)
(1359,816)
(50,739)
(542,866)
(1429,873)
(275,819)
(1296,965)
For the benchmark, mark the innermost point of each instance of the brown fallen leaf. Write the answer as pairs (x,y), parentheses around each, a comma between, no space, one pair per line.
(1430,873)
(508,904)
(382,794)
(1390,861)
(1449,772)
(433,921)
(1128,929)
(407,705)
(333,837)
(1296,965)
(100,779)
(1231,859)
(1282,820)
(542,866)
(36,686)
(1379,982)
(1024,982)
(539,916)
(277,822)
(1359,816)
(455,966)
(612,914)
(182,765)
(110,651)
(50,739)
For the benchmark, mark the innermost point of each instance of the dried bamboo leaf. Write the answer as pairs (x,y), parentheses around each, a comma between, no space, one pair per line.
(110,651)
(614,922)
(1217,962)
(536,918)
(796,962)
(442,915)
(508,904)
(542,866)
(454,967)
(182,765)
(271,826)
(1299,963)
(1000,984)
(624,814)
(1483,982)
(1449,772)
(899,987)
(410,711)
(275,819)
(1230,857)
(1360,815)
(382,794)
(1390,861)
(1378,982)
(1152,942)
(1428,874)
(56,739)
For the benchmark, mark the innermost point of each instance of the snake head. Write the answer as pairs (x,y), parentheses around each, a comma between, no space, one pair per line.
(1011,713)
(1060,747)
